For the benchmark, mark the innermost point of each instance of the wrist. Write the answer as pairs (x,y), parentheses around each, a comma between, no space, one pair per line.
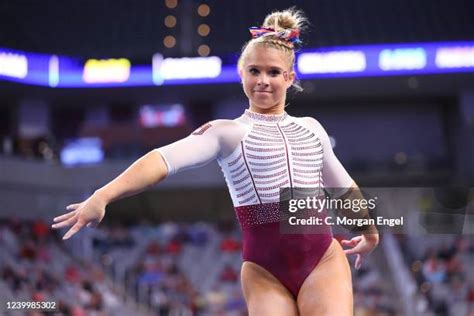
(102,196)
(372,237)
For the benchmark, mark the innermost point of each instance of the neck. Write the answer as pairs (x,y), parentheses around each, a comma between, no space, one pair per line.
(275,110)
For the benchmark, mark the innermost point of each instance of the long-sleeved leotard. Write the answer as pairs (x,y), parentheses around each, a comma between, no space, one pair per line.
(258,155)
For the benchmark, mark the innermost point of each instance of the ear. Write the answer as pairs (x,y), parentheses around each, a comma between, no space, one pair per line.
(291,79)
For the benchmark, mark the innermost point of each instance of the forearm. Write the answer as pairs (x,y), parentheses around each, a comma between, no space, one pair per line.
(362,214)
(142,174)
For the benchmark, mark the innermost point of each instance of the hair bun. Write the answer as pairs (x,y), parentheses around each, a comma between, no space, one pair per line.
(287,19)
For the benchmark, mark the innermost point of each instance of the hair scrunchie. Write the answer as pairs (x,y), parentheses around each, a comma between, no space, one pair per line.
(290,36)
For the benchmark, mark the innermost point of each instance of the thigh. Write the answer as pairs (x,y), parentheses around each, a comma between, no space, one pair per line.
(328,288)
(264,294)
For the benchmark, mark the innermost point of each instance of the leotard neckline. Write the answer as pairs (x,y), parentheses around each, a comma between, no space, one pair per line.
(259,117)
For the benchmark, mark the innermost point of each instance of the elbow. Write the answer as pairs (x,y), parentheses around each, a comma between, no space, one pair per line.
(161,166)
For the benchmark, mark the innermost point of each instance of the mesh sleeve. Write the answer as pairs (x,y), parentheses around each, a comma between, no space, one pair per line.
(198,149)
(212,140)
(334,173)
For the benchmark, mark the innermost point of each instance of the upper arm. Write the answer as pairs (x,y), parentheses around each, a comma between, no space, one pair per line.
(199,148)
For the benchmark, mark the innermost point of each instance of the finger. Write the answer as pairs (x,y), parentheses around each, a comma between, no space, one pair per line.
(358,262)
(354,250)
(64,217)
(62,224)
(349,251)
(354,241)
(72,206)
(74,229)
(348,242)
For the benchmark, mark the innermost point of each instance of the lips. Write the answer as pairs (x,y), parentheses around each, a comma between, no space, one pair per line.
(263,91)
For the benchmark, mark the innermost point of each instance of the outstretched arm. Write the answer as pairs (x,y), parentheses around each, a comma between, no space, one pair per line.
(142,174)
(196,150)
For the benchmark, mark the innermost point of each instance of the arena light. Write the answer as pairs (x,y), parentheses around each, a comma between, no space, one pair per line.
(402,58)
(106,71)
(455,57)
(170,21)
(203,50)
(171,4)
(328,62)
(169,41)
(53,71)
(185,68)
(332,62)
(152,115)
(203,30)
(204,10)
(78,151)
(13,65)
(156,64)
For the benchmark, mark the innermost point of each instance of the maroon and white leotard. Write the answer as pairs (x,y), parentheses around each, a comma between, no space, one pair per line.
(258,155)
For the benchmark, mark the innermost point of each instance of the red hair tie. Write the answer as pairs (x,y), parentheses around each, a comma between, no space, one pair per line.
(291,36)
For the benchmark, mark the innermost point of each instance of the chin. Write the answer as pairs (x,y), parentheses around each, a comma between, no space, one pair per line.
(264,106)
(264,103)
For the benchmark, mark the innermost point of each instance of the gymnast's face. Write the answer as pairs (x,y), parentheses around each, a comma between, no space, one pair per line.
(266,74)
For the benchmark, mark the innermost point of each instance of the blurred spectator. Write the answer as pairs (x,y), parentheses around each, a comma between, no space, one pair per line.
(72,274)
(230,245)
(228,274)
(40,229)
(434,270)
(174,246)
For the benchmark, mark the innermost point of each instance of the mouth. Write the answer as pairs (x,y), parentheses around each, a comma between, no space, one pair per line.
(260,91)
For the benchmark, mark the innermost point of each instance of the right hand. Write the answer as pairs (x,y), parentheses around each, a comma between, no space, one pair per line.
(90,212)
(361,246)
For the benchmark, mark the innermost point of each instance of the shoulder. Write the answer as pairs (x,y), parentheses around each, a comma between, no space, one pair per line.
(215,126)
(226,123)
(310,122)
(227,133)
(315,126)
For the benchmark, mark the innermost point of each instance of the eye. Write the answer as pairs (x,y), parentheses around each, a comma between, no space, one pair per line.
(254,71)
(275,72)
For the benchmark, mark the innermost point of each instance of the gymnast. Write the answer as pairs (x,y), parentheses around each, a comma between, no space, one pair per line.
(261,151)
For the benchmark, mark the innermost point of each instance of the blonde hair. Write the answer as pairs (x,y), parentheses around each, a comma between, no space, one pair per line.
(279,21)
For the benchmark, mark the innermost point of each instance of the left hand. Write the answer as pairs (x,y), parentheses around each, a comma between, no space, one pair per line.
(361,246)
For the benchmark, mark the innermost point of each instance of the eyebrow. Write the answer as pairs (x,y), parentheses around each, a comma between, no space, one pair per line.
(271,67)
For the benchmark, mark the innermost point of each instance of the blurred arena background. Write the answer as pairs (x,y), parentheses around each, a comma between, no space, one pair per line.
(87,87)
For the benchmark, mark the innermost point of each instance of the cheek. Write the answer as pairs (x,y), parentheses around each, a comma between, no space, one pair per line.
(280,87)
(247,80)
(247,86)
(249,83)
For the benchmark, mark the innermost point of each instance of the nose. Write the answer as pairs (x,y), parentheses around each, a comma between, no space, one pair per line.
(263,80)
